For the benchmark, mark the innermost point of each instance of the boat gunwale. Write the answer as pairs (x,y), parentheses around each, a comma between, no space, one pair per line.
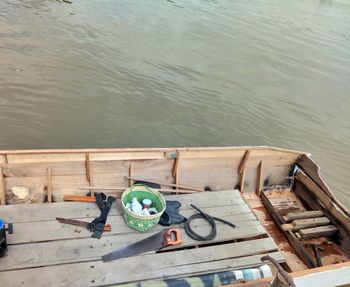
(147,149)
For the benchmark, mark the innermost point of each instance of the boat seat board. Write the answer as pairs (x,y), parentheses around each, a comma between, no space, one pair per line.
(44,252)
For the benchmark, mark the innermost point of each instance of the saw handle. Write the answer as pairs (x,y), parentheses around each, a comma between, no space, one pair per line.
(172,237)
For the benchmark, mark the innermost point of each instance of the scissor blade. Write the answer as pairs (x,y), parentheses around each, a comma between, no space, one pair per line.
(153,242)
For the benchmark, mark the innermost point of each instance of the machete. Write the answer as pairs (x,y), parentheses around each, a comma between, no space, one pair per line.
(107,227)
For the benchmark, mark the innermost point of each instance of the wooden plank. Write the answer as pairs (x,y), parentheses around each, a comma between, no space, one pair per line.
(89,249)
(327,202)
(302,215)
(40,231)
(122,189)
(131,173)
(313,203)
(2,188)
(49,185)
(259,183)
(97,273)
(40,212)
(89,175)
(295,243)
(167,184)
(176,164)
(243,163)
(313,171)
(262,149)
(308,233)
(306,223)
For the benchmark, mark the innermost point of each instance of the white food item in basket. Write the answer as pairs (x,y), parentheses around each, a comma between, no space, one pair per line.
(136,207)
(145,212)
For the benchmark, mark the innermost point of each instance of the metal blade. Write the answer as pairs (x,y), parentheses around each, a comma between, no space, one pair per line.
(153,242)
(73,222)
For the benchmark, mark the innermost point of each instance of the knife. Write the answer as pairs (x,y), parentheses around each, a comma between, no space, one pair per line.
(107,227)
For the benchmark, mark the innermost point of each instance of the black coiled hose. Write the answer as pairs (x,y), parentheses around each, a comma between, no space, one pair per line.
(211,219)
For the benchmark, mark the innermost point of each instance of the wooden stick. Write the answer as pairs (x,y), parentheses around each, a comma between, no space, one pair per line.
(176,164)
(121,189)
(259,182)
(79,198)
(242,170)
(243,163)
(167,184)
(2,188)
(176,170)
(89,172)
(49,184)
(242,180)
(131,170)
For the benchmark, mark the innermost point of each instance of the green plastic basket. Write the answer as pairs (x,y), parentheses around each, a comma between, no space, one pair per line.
(141,192)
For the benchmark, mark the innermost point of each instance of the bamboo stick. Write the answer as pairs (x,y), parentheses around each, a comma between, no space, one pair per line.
(167,184)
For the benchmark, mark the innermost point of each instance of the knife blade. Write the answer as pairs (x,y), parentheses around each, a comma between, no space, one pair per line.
(85,224)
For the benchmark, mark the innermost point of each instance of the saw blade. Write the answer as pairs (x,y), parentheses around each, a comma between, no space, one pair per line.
(153,242)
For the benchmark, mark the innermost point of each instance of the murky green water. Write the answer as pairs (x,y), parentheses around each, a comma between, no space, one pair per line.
(133,73)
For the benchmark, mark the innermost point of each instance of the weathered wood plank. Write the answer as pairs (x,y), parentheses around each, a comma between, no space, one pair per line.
(49,185)
(41,212)
(313,171)
(326,201)
(89,249)
(2,188)
(318,231)
(302,215)
(243,163)
(306,223)
(172,263)
(260,178)
(53,230)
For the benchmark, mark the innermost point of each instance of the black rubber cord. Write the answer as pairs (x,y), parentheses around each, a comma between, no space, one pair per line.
(211,219)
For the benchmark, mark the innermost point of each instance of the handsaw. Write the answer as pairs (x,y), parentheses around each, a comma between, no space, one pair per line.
(165,238)
(107,227)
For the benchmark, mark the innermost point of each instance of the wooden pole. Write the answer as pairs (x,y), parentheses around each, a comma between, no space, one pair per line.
(259,182)
(175,171)
(49,184)
(89,176)
(243,163)
(242,170)
(131,171)
(167,184)
(2,188)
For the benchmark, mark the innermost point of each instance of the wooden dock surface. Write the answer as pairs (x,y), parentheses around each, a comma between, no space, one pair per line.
(44,252)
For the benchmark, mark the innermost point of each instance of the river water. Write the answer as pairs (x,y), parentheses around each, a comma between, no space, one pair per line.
(145,73)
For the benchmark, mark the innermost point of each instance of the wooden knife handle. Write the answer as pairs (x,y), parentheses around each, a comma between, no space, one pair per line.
(80,198)
(107,227)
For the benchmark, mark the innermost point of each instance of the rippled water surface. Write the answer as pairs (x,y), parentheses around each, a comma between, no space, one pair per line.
(133,73)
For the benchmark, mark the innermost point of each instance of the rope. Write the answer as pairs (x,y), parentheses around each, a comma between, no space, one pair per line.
(211,219)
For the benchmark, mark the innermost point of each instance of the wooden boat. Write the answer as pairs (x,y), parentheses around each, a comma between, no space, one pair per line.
(276,197)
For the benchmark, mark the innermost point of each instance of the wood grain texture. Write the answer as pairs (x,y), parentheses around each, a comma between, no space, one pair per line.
(97,273)
(2,188)
(49,185)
